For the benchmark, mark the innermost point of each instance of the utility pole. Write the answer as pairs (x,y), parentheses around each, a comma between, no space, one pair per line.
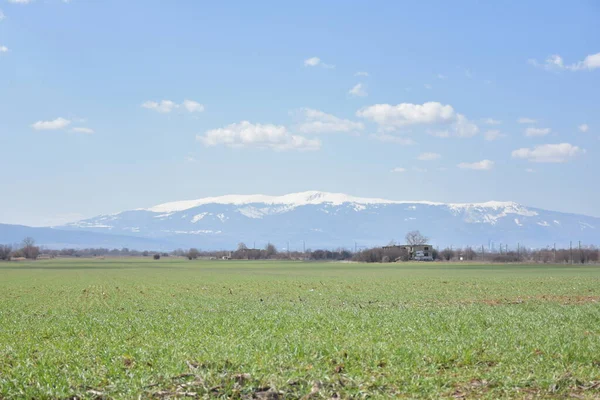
(571,251)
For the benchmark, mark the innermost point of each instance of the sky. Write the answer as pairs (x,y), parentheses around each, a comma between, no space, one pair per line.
(114,105)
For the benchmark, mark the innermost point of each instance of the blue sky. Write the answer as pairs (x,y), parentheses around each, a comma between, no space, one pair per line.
(114,105)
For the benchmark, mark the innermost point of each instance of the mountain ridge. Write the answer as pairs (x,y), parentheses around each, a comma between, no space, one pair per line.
(303,198)
(325,219)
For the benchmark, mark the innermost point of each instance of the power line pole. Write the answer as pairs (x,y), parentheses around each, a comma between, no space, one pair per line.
(571,251)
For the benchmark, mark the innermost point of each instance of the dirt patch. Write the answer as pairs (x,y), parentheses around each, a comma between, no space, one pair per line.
(570,299)
(567,300)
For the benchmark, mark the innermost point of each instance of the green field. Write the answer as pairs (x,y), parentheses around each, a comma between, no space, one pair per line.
(171,328)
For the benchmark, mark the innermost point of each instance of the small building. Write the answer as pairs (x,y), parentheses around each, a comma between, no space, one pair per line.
(418,252)
(421,252)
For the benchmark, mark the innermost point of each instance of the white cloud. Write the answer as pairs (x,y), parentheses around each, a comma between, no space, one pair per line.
(492,135)
(525,120)
(3,49)
(428,156)
(58,123)
(491,121)
(87,131)
(428,86)
(246,134)
(166,106)
(464,128)
(549,153)
(556,63)
(359,90)
(404,141)
(440,76)
(537,131)
(390,117)
(315,121)
(398,170)
(590,62)
(361,73)
(553,62)
(483,165)
(583,127)
(312,62)
(418,169)
(530,170)
(193,106)
(405,114)
(2,16)
(316,61)
(19,1)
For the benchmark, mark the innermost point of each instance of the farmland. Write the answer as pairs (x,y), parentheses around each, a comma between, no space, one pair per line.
(129,328)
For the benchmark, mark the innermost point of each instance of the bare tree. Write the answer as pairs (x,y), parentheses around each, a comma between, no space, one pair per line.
(5,252)
(242,246)
(447,254)
(270,250)
(415,238)
(193,254)
(29,249)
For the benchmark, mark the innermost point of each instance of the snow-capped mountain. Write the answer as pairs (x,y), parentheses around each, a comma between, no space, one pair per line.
(321,219)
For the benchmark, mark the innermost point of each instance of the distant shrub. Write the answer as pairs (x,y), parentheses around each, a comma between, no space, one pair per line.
(5,252)
(157,256)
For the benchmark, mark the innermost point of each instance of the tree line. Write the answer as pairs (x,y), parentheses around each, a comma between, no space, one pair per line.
(28,249)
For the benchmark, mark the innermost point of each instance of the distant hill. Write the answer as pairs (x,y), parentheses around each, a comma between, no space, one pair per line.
(321,219)
(57,238)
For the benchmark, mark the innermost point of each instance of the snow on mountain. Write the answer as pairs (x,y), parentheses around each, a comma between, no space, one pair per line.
(323,219)
(293,200)
(306,198)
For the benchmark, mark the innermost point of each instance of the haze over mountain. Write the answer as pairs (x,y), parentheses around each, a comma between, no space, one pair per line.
(59,239)
(320,219)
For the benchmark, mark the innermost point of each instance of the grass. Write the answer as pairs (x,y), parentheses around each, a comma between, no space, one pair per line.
(134,328)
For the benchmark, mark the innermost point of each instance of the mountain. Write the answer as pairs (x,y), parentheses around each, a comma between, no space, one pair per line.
(58,239)
(327,220)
